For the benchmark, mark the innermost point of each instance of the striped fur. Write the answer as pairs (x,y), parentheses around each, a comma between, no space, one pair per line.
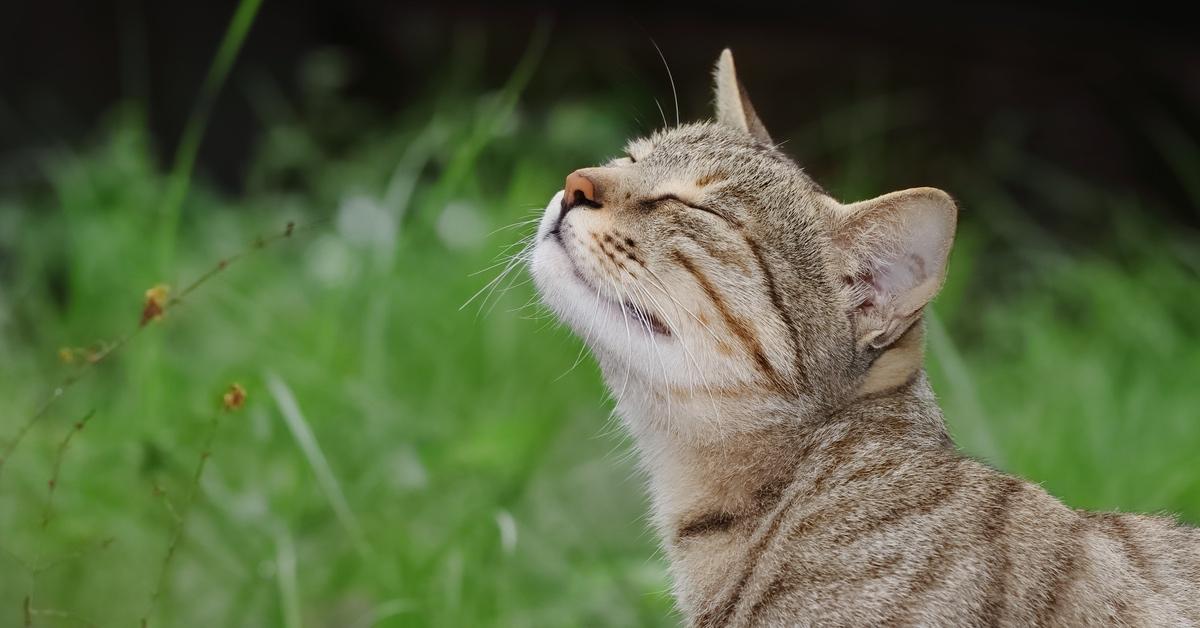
(764,345)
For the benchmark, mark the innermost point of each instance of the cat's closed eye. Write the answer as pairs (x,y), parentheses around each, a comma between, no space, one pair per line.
(671,198)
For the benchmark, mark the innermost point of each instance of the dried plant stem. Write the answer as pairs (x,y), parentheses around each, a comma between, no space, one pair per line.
(180,517)
(100,358)
(28,610)
(48,512)
(58,391)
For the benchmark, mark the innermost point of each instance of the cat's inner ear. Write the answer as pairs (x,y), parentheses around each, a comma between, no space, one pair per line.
(733,105)
(894,250)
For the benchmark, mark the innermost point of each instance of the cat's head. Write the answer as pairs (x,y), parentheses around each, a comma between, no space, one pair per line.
(705,259)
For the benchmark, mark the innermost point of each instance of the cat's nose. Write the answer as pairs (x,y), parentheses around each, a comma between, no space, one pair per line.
(580,190)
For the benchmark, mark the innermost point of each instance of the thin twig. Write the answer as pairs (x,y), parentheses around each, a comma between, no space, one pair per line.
(58,460)
(94,361)
(232,401)
(28,610)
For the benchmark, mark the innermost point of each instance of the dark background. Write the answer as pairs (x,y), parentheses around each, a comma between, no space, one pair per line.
(1094,90)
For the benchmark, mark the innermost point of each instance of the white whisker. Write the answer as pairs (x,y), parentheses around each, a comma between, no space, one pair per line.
(661,112)
(692,362)
(670,77)
(586,337)
(662,288)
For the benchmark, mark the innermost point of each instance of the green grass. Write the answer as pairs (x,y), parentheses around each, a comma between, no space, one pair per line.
(405,460)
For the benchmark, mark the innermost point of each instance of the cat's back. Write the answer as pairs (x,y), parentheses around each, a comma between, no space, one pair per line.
(939,539)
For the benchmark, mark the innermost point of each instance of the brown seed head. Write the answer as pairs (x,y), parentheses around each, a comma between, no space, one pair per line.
(234,398)
(155,304)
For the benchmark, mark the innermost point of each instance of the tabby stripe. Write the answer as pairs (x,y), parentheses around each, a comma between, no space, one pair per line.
(773,293)
(848,447)
(929,574)
(766,497)
(735,324)
(1116,525)
(835,453)
(777,301)
(720,614)
(724,257)
(779,587)
(921,505)
(707,523)
(937,562)
(995,523)
(885,467)
(1066,561)
(787,580)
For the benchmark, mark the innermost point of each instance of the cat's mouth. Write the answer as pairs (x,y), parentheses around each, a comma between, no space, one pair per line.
(647,320)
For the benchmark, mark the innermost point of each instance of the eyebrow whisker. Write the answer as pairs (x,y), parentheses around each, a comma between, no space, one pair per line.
(671,78)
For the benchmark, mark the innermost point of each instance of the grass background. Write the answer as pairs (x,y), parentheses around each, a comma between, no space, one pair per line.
(402,461)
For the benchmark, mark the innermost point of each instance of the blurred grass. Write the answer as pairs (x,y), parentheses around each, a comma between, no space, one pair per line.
(404,462)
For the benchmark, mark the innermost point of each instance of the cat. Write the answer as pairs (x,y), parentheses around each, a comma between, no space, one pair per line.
(763,343)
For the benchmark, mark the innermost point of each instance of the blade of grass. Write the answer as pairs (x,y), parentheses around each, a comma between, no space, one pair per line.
(285,572)
(1181,154)
(193,132)
(963,389)
(290,409)
(462,164)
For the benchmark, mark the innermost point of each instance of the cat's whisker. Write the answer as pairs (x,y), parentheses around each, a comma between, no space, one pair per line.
(661,112)
(513,284)
(620,298)
(587,338)
(532,303)
(504,260)
(485,287)
(525,244)
(519,259)
(513,262)
(671,78)
(692,362)
(519,223)
(691,359)
(658,283)
(662,365)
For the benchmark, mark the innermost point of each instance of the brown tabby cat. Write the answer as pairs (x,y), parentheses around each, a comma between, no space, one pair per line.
(764,344)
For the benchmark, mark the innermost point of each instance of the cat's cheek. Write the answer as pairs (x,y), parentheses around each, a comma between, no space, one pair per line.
(553,275)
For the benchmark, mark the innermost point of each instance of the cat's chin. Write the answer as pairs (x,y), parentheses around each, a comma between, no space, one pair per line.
(580,303)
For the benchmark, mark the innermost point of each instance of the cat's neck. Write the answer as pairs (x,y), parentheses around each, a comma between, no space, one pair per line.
(700,478)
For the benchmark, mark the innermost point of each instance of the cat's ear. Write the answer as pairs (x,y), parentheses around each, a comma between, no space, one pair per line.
(893,250)
(733,105)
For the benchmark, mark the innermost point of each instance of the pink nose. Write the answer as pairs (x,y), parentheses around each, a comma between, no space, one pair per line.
(580,190)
